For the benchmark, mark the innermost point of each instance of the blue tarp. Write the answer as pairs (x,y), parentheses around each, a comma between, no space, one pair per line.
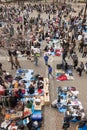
(75,120)
(62,110)
(83,128)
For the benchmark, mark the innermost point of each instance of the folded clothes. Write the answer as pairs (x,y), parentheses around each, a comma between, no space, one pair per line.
(62,78)
(18,78)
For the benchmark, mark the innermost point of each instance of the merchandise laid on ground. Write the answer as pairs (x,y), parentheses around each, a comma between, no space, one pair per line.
(82,125)
(68,103)
(23,100)
(23,53)
(64,73)
(54,46)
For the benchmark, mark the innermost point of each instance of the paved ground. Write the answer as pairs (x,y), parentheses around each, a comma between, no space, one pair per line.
(52,118)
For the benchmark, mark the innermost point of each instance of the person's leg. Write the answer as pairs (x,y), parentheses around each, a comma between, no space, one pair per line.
(80,73)
(12,65)
(46,63)
(35,62)
(52,75)
(84,54)
(81,50)
(48,75)
(17,64)
(74,66)
(86,71)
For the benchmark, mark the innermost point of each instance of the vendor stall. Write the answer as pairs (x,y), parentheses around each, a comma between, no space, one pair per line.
(64,72)
(27,94)
(54,46)
(68,103)
(82,125)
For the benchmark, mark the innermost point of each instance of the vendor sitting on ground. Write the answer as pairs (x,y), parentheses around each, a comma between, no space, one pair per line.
(33,82)
(31,89)
(39,84)
(29,104)
(19,94)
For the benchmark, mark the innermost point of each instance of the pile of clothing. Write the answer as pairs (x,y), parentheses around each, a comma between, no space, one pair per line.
(68,103)
(54,47)
(23,95)
(64,73)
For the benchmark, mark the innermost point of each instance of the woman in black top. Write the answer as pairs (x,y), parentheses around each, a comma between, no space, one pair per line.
(31,89)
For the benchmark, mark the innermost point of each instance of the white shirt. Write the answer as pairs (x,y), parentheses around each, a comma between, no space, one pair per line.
(79,37)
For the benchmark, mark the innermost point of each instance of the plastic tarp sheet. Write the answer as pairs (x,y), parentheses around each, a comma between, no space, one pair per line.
(83,128)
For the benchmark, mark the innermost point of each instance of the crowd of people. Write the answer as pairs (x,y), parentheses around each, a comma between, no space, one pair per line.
(67,102)
(28,33)
(23,34)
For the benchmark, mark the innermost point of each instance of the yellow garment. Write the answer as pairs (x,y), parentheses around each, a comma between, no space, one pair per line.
(16,85)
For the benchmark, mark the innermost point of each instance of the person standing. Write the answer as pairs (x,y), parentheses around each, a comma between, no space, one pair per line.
(80,69)
(49,16)
(82,66)
(36,59)
(16,59)
(11,30)
(50,71)
(11,60)
(46,59)
(84,52)
(75,60)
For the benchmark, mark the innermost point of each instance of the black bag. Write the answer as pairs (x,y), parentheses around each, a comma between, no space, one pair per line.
(58,66)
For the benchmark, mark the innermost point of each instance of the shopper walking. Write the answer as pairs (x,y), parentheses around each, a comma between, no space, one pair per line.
(75,61)
(46,58)
(12,63)
(15,55)
(50,71)
(36,59)
(11,60)
(80,69)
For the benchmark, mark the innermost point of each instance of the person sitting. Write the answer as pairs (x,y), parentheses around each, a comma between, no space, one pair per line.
(18,94)
(46,48)
(52,49)
(29,104)
(34,83)
(31,89)
(39,84)
(12,101)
